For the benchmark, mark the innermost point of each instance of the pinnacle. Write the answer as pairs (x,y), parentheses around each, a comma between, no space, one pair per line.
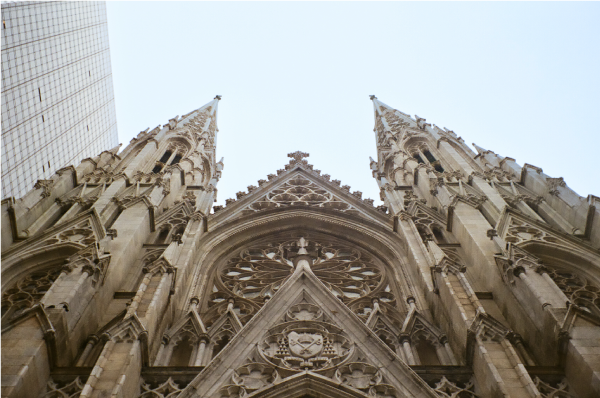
(479,149)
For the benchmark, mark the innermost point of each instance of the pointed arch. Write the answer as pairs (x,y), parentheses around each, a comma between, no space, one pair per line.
(576,273)
(27,280)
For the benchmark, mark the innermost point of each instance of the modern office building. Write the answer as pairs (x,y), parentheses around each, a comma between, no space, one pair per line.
(57,92)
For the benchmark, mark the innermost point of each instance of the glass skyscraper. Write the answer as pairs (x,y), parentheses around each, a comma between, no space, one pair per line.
(58,103)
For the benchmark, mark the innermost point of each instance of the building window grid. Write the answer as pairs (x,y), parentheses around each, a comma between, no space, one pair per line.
(97,65)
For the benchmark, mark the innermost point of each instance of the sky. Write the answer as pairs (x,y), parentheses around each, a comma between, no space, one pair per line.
(520,79)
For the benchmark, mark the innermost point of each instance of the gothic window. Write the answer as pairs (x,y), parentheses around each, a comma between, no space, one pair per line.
(163,234)
(165,157)
(577,288)
(172,155)
(429,156)
(169,389)
(426,351)
(176,159)
(28,291)
(256,273)
(220,344)
(182,352)
(424,156)
(439,236)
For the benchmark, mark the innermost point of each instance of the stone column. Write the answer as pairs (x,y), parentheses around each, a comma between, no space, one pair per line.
(408,352)
(92,340)
(200,353)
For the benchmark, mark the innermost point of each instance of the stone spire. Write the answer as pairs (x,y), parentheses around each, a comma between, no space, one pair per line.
(202,122)
(389,121)
(479,149)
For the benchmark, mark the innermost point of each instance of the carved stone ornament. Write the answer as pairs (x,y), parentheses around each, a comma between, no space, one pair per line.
(447,389)
(82,234)
(305,345)
(259,271)
(520,231)
(168,389)
(67,390)
(45,186)
(300,191)
(249,378)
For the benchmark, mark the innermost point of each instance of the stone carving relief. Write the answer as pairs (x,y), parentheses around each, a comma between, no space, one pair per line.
(168,389)
(447,389)
(90,261)
(249,378)
(558,390)
(553,184)
(256,273)
(306,344)
(64,390)
(576,287)
(364,377)
(305,340)
(45,186)
(81,234)
(520,231)
(101,176)
(300,191)
(28,291)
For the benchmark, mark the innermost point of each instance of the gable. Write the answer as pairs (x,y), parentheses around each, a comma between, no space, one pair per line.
(305,328)
(300,187)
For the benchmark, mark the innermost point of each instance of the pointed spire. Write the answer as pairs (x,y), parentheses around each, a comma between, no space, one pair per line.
(115,150)
(479,149)
(210,109)
(389,123)
(379,106)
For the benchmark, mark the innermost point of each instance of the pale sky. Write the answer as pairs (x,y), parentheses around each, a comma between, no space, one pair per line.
(520,79)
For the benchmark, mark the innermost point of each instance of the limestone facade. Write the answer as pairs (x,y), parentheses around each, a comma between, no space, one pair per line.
(478,277)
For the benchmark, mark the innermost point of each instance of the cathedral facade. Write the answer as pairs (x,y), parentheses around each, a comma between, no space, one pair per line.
(478,277)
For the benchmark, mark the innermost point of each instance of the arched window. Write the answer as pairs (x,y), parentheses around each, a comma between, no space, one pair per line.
(351,273)
(577,288)
(28,291)
(439,236)
(165,157)
(163,234)
(429,156)
(172,155)
(220,344)
(177,158)
(421,152)
(426,351)
(182,352)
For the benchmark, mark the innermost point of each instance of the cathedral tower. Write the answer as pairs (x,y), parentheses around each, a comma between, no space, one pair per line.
(476,278)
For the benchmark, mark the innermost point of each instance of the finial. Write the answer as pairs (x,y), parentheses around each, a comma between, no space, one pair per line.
(302,244)
(298,156)
(218,97)
(372,97)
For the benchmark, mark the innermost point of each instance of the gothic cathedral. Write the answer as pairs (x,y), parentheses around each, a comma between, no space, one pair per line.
(478,277)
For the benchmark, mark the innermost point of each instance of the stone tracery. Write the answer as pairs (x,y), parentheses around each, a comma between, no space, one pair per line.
(28,291)
(577,288)
(257,272)
(300,191)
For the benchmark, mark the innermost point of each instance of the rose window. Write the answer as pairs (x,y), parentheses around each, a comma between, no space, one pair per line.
(260,270)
